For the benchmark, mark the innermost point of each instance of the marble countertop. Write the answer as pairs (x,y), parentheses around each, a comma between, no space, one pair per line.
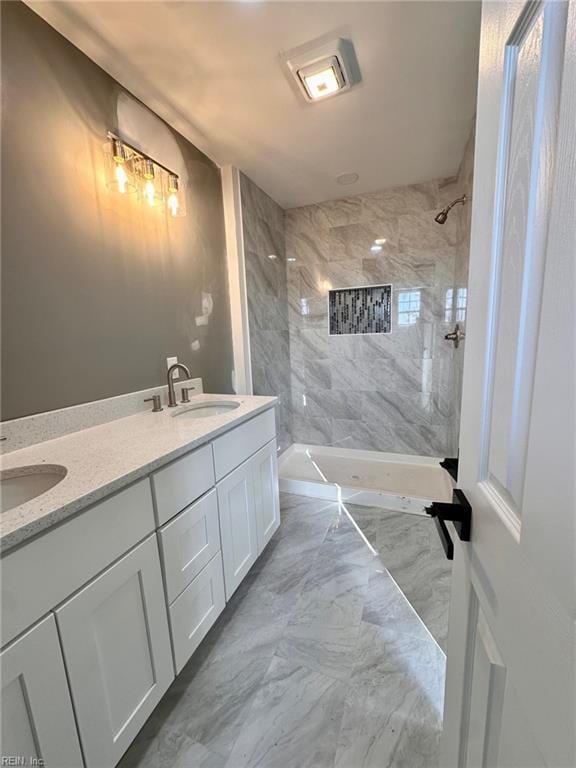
(103,459)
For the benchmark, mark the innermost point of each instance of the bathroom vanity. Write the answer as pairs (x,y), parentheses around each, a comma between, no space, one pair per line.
(112,578)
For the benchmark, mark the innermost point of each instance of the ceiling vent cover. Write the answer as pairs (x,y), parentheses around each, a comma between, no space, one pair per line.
(323,70)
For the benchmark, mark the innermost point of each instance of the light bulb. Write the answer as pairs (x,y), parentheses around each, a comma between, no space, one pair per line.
(121,178)
(173,204)
(149,192)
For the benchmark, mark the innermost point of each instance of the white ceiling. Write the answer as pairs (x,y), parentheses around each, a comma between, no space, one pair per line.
(213,70)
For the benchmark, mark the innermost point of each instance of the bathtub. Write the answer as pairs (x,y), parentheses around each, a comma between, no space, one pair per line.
(370,478)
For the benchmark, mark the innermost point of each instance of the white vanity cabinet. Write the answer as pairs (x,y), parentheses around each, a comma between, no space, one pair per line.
(117,652)
(98,613)
(37,715)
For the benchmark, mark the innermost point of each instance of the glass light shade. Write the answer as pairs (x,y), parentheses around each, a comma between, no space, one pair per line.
(175,206)
(119,171)
(149,183)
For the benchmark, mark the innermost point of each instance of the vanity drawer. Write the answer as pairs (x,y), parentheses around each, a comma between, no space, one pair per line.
(189,542)
(195,611)
(182,482)
(231,449)
(45,571)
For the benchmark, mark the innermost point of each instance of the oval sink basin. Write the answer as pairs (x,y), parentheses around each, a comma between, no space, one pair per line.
(22,484)
(202,410)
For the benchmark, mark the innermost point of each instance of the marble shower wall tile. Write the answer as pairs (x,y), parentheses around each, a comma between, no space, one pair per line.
(268,307)
(406,379)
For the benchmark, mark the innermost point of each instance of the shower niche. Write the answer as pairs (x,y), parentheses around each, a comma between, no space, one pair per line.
(360,310)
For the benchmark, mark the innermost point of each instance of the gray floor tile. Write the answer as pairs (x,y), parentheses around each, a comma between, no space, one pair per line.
(321,658)
(323,629)
(293,722)
(394,702)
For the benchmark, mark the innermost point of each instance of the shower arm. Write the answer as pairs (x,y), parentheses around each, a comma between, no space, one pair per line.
(451,205)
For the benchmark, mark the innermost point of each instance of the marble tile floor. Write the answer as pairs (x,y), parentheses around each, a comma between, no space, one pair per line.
(321,659)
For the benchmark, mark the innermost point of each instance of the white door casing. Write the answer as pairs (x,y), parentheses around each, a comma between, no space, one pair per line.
(511,653)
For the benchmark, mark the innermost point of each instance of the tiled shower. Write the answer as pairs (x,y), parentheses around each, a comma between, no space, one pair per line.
(365,368)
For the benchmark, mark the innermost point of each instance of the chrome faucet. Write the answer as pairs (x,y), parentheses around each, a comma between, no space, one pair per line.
(171,393)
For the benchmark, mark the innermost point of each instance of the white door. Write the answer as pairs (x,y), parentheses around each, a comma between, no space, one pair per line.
(37,717)
(117,652)
(265,468)
(237,511)
(511,670)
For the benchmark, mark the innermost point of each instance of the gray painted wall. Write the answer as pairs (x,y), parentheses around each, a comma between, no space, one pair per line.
(97,290)
(267,292)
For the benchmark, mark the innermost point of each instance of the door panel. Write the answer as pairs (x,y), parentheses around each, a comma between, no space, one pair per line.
(510,672)
(531,80)
(37,716)
(117,651)
(237,512)
(487,696)
(267,500)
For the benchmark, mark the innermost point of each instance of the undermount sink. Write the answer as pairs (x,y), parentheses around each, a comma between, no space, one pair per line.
(22,484)
(202,410)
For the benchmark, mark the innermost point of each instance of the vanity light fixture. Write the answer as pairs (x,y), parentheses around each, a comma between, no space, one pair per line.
(129,170)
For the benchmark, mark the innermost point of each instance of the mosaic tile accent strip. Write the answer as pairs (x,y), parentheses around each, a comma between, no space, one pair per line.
(360,310)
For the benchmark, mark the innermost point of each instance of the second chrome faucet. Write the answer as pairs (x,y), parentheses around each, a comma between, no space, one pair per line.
(171,392)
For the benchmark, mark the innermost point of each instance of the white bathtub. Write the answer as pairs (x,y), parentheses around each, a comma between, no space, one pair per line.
(370,478)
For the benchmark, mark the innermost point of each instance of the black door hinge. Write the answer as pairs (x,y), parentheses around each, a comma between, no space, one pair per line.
(458,512)
(451,466)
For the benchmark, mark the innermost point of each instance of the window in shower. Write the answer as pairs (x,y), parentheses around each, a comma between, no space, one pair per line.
(360,310)
(409,305)
(461,299)
(455,305)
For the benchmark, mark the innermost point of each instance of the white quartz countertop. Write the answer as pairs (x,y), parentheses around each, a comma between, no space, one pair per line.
(105,458)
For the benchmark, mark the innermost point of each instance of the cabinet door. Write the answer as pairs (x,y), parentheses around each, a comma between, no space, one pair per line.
(117,651)
(37,716)
(265,468)
(237,513)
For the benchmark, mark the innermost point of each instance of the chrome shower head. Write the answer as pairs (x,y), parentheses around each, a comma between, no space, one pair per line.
(443,215)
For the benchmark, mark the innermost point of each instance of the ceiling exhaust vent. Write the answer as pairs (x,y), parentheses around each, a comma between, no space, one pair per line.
(323,70)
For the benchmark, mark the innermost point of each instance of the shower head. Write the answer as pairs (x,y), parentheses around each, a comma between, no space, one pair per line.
(443,215)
